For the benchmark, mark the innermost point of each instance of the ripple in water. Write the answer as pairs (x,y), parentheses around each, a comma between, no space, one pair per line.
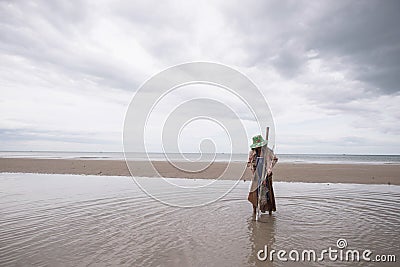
(80,220)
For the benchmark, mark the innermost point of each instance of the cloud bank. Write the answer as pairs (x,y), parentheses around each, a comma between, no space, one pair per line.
(329,69)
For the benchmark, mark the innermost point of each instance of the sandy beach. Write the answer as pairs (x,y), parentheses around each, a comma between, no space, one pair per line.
(289,172)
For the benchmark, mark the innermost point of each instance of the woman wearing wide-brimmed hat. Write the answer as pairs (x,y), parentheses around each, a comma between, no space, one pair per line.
(261,191)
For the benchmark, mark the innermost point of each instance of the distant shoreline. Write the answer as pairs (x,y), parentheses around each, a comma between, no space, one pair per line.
(370,159)
(290,172)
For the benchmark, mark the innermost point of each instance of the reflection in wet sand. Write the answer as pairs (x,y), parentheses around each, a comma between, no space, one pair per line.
(261,234)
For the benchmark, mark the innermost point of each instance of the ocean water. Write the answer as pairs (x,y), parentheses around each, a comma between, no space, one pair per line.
(288,158)
(72,220)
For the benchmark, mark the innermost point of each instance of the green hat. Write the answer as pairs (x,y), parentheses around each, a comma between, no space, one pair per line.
(258,141)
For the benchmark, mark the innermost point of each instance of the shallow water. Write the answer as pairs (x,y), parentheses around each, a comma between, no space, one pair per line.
(74,220)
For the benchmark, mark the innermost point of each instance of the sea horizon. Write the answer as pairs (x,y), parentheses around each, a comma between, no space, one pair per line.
(326,158)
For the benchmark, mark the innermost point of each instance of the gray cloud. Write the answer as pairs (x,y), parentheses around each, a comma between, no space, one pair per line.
(52,34)
(365,34)
(334,58)
(362,35)
(7,135)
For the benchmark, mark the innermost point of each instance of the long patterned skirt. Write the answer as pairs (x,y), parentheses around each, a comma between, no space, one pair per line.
(263,193)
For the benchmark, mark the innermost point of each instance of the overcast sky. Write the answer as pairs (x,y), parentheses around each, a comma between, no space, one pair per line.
(329,69)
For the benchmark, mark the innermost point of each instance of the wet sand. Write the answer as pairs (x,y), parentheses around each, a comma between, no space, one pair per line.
(77,220)
(288,172)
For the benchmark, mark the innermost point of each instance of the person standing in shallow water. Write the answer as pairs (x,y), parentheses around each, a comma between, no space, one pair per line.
(261,191)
